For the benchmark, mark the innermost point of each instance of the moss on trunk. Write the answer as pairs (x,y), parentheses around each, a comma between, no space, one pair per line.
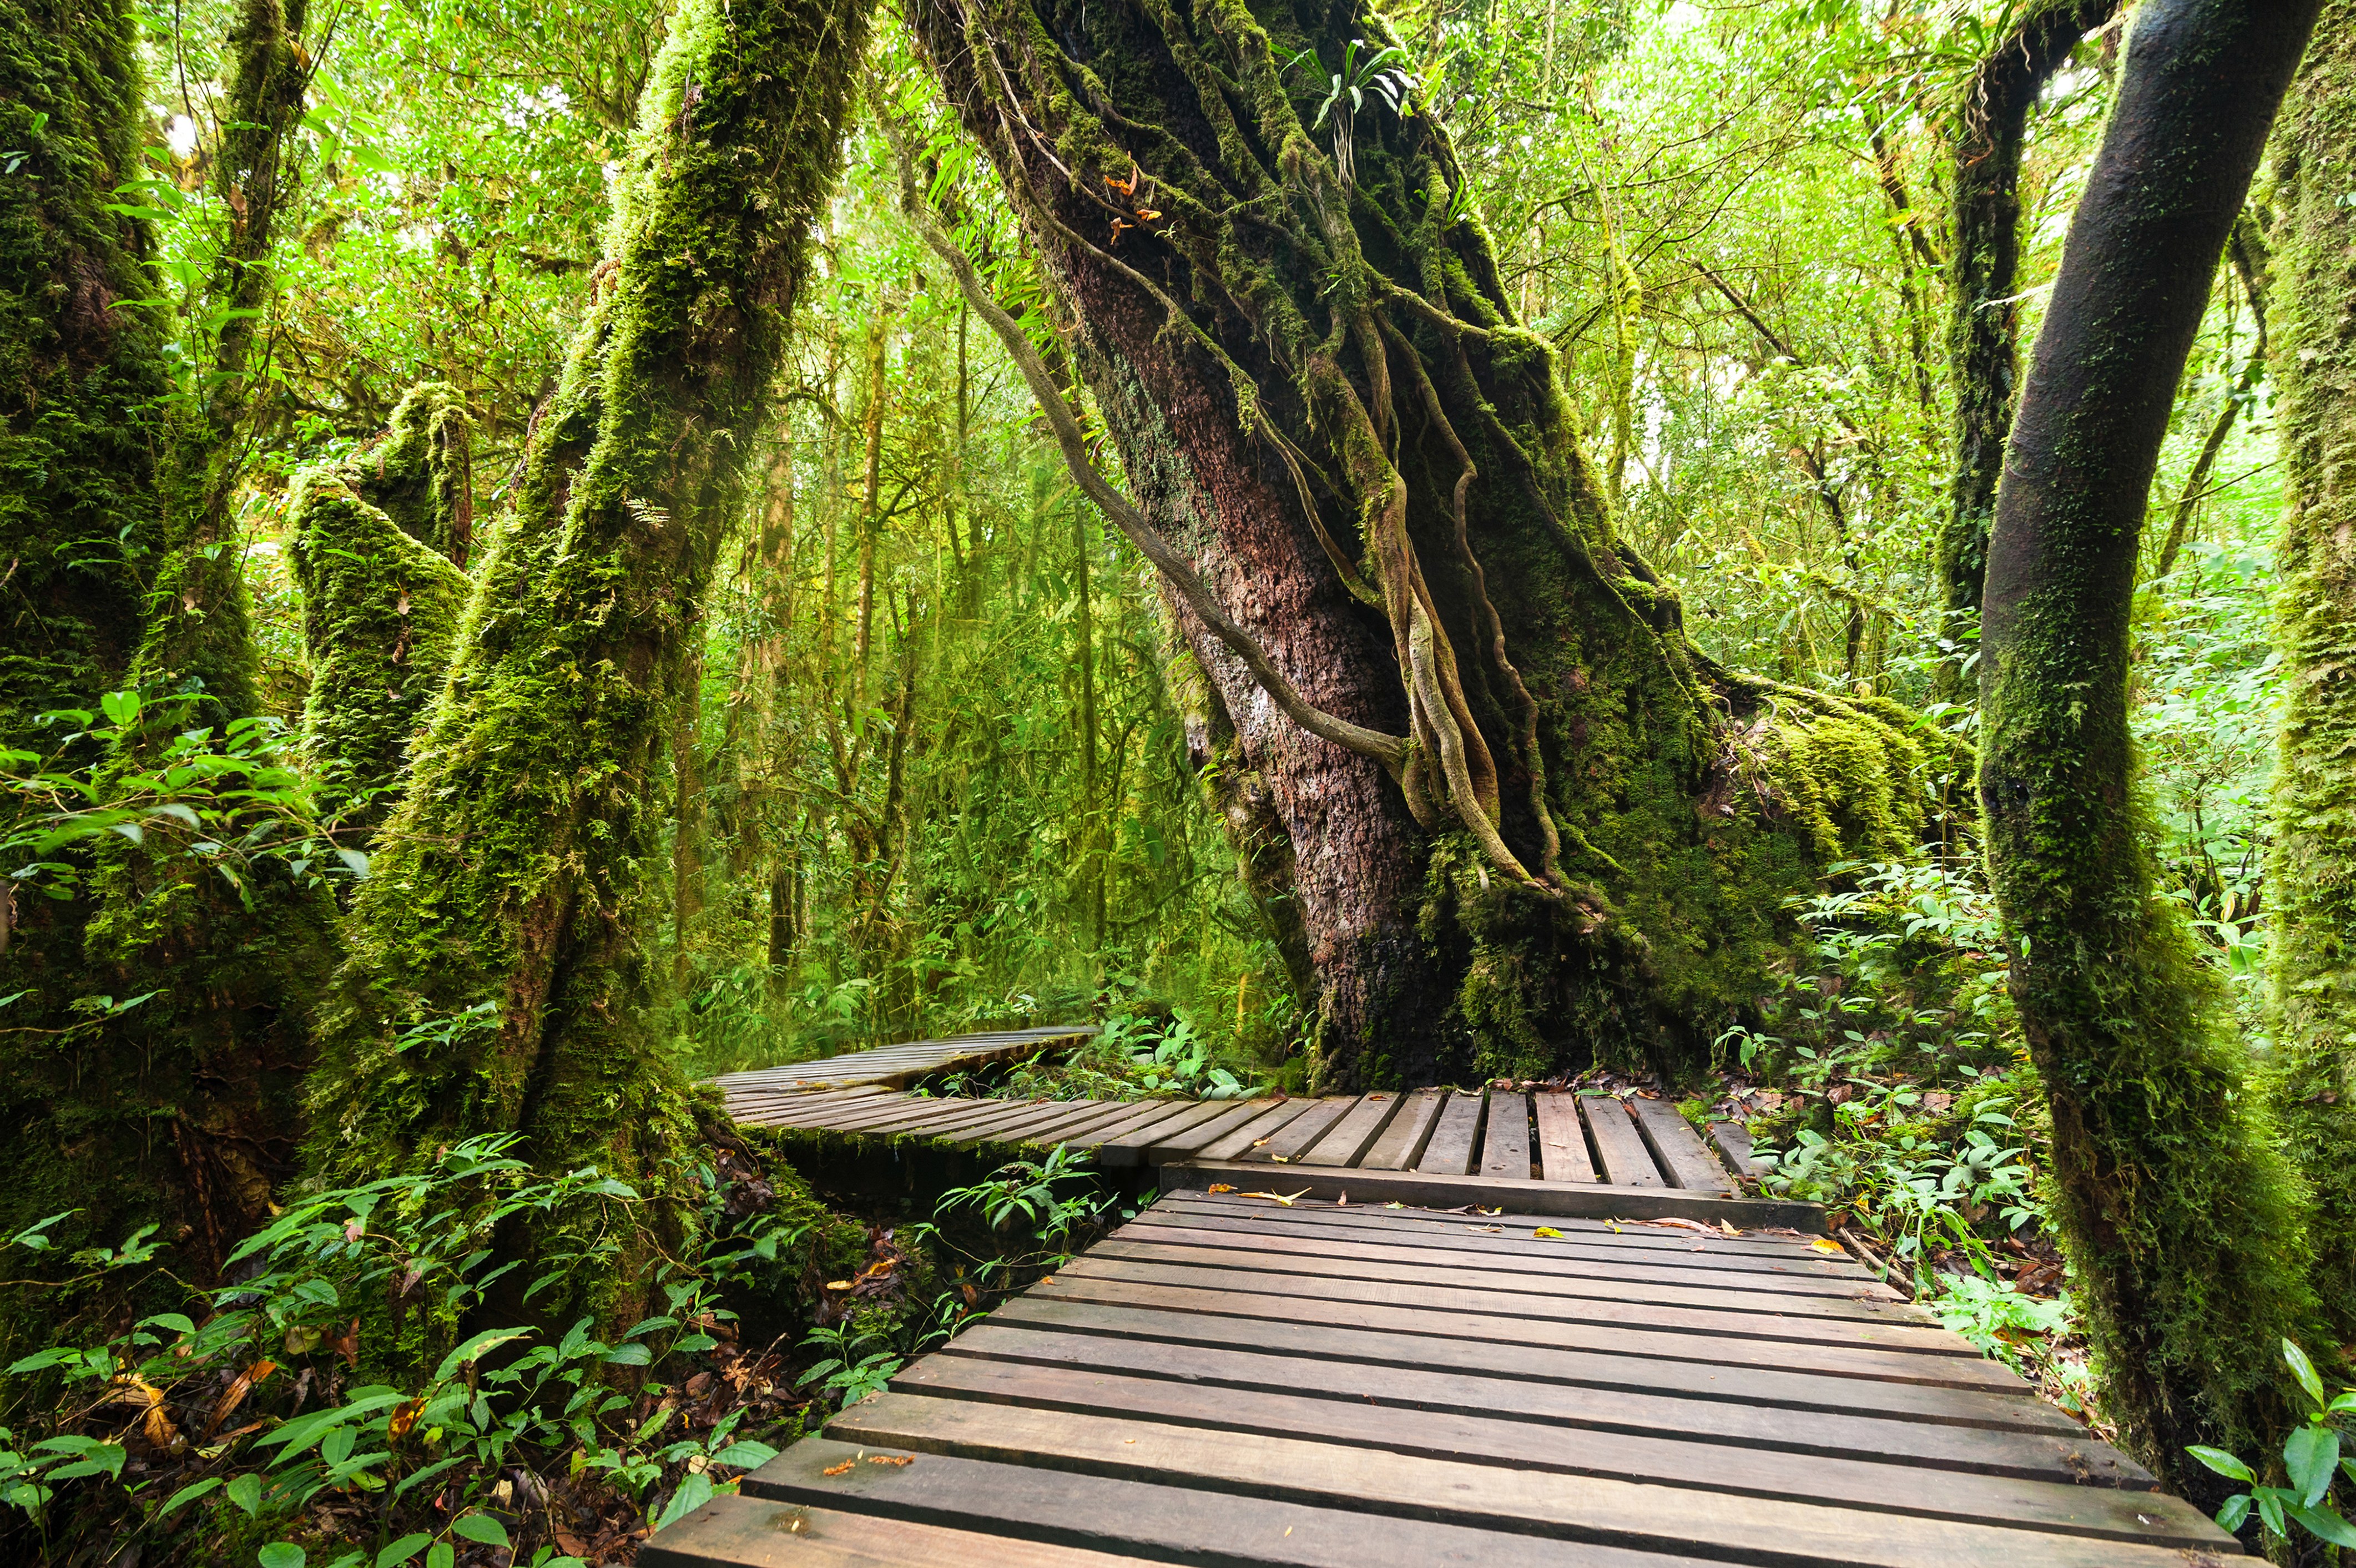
(523,867)
(1544,829)
(2311,867)
(2178,1214)
(373,541)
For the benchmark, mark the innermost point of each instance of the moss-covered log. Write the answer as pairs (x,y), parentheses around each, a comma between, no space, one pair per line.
(523,867)
(1990,130)
(2178,1213)
(373,541)
(1530,825)
(2311,868)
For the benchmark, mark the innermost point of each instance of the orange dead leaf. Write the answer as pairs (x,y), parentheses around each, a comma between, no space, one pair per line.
(1284,1198)
(404,1416)
(1821,1245)
(900,1459)
(843,1469)
(1149,214)
(1221,1187)
(234,1395)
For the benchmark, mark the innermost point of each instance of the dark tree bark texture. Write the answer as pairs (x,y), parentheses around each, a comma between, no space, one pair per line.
(2173,1203)
(1539,829)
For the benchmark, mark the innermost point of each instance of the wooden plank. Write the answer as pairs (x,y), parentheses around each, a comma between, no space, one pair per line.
(1562,1142)
(1514,1233)
(1620,1148)
(1505,1135)
(1124,1148)
(1286,1254)
(1083,1130)
(1297,1134)
(1178,1146)
(1678,1149)
(1450,1150)
(1568,1261)
(1530,1198)
(743,1532)
(1159,1522)
(1058,1118)
(1732,1141)
(1606,1511)
(2068,1457)
(1824,1390)
(1146,1113)
(1239,1139)
(1554,1332)
(1401,1143)
(1438,1292)
(1354,1133)
(1540,1449)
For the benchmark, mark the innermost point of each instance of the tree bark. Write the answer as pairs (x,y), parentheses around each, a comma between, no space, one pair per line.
(2174,1206)
(1509,782)
(519,867)
(2311,866)
(1983,284)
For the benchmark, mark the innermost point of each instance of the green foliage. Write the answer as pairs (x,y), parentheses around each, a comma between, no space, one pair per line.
(2311,1463)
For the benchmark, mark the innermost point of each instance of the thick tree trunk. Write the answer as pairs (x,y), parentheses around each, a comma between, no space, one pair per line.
(2174,1207)
(2311,868)
(1983,290)
(1529,836)
(520,867)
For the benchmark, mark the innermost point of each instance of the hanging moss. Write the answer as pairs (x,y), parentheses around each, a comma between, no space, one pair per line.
(2311,867)
(521,867)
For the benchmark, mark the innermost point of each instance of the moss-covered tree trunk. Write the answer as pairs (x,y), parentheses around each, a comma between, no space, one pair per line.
(2312,869)
(2175,1207)
(1530,825)
(523,866)
(377,543)
(1991,128)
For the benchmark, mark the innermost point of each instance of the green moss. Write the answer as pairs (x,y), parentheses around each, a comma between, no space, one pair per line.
(368,540)
(2311,864)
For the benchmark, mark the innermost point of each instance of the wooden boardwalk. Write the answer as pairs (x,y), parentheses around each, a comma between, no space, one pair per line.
(1229,1381)
(892,1067)
(1497,1134)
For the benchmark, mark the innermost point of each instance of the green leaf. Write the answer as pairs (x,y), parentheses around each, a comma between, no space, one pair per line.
(746,1455)
(441,1554)
(281,1554)
(171,1320)
(245,1491)
(2236,1509)
(630,1355)
(188,1494)
(402,1550)
(2304,1370)
(472,1351)
(2325,1524)
(2224,1464)
(120,707)
(2312,1455)
(692,1494)
(482,1527)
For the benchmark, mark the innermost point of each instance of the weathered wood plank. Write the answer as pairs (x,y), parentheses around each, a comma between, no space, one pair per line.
(1606,1511)
(1567,1259)
(1280,1254)
(1401,1143)
(1678,1149)
(1354,1135)
(1123,1148)
(1626,1160)
(1150,1113)
(1505,1135)
(1165,1523)
(1178,1146)
(1450,1151)
(1562,1142)
(1537,1449)
(1439,1292)
(2064,1456)
(1820,1388)
(743,1532)
(1528,1199)
(1229,1145)
(1280,1147)
(1226,1300)
(1732,1140)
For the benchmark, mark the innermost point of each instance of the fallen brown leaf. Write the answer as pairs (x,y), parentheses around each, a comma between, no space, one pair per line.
(900,1459)
(1283,1198)
(1222,1187)
(843,1469)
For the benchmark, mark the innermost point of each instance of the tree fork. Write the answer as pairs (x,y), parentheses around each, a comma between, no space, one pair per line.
(2176,1210)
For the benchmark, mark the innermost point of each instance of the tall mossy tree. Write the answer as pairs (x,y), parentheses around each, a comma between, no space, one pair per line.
(1531,825)
(2178,1213)
(376,543)
(1989,133)
(499,978)
(2311,868)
